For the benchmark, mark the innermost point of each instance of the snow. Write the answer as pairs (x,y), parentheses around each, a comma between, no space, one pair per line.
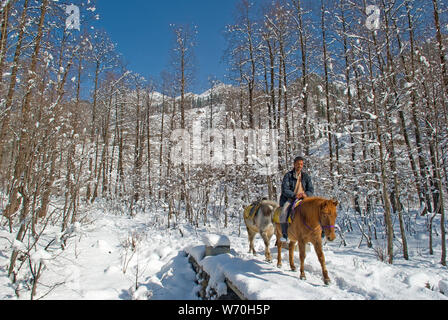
(117,257)
(18,245)
(443,286)
(40,256)
(103,246)
(216,240)
(424,61)
(353,278)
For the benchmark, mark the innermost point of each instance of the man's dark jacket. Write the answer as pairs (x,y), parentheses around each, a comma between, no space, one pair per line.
(289,184)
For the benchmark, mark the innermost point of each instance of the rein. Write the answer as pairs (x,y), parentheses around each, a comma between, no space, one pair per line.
(303,221)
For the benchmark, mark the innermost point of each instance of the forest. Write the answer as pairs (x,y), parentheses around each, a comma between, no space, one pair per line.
(358,89)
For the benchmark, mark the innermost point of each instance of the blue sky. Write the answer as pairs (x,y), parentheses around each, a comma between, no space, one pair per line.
(141,30)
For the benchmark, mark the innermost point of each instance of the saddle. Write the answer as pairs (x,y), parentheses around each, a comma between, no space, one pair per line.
(250,211)
(278,212)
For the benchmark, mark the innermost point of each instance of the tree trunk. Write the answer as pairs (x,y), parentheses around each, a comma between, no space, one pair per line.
(24,153)
(327,90)
(13,79)
(4,35)
(383,175)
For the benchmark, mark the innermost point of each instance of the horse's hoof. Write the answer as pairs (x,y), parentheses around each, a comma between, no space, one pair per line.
(293,269)
(327,282)
(302,277)
(279,265)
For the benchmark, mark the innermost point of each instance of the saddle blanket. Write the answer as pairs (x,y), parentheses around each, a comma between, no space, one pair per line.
(250,211)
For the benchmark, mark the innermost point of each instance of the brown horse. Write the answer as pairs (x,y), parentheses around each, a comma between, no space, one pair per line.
(260,222)
(310,217)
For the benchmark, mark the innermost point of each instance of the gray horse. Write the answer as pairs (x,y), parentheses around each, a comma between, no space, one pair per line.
(258,219)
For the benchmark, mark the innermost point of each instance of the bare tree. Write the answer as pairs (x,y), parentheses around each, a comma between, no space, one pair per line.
(103,57)
(15,67)
(243,47)
(183,62)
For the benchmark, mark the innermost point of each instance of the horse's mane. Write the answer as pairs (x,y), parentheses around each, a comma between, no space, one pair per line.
(313,205)
(315,199)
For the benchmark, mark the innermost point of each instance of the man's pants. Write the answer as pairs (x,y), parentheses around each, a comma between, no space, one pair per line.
(284,214)
(284,219)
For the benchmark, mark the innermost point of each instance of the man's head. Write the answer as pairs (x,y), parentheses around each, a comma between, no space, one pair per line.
(298,163)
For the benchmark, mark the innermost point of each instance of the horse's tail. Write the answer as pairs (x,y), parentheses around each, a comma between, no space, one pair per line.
(269,207)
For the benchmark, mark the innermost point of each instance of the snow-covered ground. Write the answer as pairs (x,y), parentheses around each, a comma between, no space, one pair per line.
(111,257)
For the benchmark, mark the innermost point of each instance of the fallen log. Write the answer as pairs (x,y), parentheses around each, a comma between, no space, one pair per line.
(207,293)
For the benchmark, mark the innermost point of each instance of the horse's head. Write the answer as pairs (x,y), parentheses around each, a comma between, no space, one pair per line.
(327,216)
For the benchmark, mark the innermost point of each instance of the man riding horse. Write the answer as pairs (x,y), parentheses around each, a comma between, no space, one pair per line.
(296,185)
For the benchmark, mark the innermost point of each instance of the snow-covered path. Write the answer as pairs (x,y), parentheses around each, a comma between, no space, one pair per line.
(125,258)
(354,277)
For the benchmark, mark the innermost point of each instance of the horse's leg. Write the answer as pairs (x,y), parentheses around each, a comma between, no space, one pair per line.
(251,241)
(292,246)
(267,240)
(279,253)
(279,245)
(320,255)
(302,254)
